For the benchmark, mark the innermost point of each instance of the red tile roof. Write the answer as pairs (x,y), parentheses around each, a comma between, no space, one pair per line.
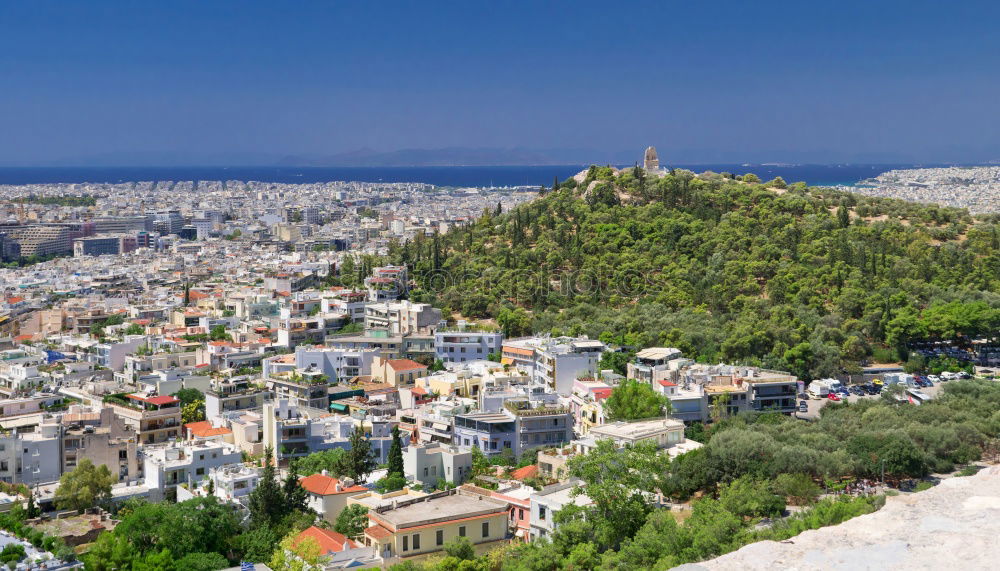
(405,365)
(326,486)
(329,541)
(602,393)
(667,384)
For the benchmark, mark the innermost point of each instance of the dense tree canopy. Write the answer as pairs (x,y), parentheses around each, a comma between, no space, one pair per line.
(811,280)
(86,486)
(633,400)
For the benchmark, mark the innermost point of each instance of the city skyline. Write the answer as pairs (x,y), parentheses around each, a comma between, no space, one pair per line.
(250,83)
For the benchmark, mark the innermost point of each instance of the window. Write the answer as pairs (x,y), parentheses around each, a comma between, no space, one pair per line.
(541,512)
(425,471)
(520,513)
(200,472)
(486,529)
(440,537)
(406,543)
(416,541)
(461,531)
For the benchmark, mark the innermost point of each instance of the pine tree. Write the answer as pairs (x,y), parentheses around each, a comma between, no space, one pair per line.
(359,462)
(395,465)
(555,184)
(187,294)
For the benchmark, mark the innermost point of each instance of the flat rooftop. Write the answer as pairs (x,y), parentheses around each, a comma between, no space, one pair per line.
(657,353)
(454,506)
(637,429)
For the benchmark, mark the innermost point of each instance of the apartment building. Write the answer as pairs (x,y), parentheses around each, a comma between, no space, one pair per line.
(31,457)
(522,425)
(427,464)
(555,362)
(166,467)
(232,395)
(460,346)
(402,318)
(154,419)
(293,431)
(654,364)
(387,283)
(336,364)
(43,240)
(101,437)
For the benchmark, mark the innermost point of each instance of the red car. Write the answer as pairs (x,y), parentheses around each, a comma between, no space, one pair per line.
(833,397)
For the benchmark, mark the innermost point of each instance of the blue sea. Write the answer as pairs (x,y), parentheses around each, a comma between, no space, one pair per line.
(817,175)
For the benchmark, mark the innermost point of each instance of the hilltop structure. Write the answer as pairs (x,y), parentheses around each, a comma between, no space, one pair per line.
(651,162)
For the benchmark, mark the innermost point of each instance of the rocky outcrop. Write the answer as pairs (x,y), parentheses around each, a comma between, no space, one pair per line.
(954,525)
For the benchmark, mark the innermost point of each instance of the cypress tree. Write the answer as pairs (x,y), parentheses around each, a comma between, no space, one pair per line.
(266,502)
(395,465)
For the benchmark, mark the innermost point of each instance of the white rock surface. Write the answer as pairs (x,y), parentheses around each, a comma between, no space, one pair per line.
(954,526)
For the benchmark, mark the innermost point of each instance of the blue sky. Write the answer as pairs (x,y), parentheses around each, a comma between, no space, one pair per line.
(703,81)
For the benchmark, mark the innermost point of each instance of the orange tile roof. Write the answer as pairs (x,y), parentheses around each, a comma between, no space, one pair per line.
(329,541)
(378,532)
(529,471)
(204,429)
(326,486)
(405,365)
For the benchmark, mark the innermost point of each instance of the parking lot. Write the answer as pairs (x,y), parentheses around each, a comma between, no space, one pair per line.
(815,405)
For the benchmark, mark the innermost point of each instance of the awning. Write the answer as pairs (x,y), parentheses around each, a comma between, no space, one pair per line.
(506,361)
(338,406)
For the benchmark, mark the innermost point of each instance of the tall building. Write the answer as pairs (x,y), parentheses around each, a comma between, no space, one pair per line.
(45,240)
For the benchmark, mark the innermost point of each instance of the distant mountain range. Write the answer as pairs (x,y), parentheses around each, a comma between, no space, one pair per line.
(490,156)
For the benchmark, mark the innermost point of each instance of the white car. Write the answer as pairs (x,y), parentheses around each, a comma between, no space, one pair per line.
(934,378)
(948,375)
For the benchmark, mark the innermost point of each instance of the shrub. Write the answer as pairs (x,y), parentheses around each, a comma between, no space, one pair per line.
(799,489)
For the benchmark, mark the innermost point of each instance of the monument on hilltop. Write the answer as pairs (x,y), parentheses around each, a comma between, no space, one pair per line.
(650,161)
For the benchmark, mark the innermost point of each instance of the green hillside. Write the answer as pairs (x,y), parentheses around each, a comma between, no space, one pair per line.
(811,280)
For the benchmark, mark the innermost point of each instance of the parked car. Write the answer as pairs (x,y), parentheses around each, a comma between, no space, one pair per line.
(833,397)
(859,391)
(934,378)
(803,407)
(964,375)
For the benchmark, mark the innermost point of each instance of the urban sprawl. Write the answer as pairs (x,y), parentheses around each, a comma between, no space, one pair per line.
(179,333)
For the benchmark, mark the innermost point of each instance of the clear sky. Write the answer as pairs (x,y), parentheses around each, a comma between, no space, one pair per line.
(822,81)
